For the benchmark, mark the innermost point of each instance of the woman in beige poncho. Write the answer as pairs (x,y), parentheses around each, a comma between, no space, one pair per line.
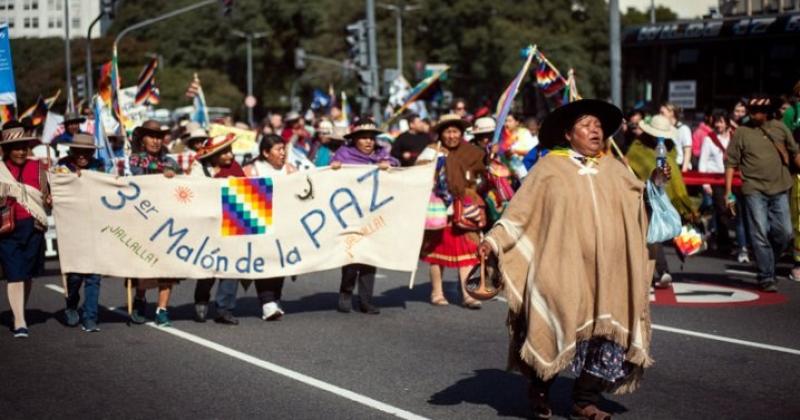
(572,252)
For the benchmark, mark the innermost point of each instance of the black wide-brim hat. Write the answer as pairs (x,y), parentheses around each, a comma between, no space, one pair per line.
(558,122)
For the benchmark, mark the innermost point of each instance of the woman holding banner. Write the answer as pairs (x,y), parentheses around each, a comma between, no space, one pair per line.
(362,150)
(572,252)
(23,198)
(150,157)
(216,160)
(459,166)
(271,161)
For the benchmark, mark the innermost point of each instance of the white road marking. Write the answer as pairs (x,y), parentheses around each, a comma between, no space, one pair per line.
(727,339)
(715,337)
(280,370)
(742,273)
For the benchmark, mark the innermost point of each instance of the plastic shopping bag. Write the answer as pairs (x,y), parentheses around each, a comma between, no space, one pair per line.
(665,222)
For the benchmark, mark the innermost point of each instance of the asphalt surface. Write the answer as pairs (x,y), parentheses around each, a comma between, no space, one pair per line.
(413,359)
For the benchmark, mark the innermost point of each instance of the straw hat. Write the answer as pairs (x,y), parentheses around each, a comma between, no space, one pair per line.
(338,133)
(215,145)
(194,132)
(17,135)
(73,117)
(365,127)
(82,141)
(449,120)
(291,116)
(484,125)
(149,128)
(659,126)
(558,122)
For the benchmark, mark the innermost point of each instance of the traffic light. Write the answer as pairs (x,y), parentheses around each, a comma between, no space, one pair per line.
(357,42)
(80,86)
(299,58)
(227,7)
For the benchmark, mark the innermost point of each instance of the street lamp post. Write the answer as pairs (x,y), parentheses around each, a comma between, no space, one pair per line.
(615,52)
(89,75)
(399,9)
(249,37)
(67,60)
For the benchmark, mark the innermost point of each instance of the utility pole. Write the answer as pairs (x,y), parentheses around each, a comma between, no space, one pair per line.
(106,9)
(615,52)
(249,101)
(67,61)
(373,61)
(652,11)
(399,10)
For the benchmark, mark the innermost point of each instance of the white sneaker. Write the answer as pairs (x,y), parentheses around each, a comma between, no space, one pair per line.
(743,257)
(271,311)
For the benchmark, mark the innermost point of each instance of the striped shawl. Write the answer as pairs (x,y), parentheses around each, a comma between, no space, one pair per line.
(572,250)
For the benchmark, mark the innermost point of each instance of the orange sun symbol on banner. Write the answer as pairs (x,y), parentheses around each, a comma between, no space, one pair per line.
(183,194)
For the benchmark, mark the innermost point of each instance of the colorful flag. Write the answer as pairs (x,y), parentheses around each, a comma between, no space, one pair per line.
(155,95)
(507,98)
(104,86)
(47,103)
(146,82)
(417,93)
(195,91)
(39,112)
(116,82)
(8,112)
(548,78)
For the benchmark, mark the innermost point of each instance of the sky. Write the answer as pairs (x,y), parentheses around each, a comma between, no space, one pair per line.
(686,9)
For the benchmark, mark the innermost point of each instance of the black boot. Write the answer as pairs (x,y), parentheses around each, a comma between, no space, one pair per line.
(345,302)
(366,285)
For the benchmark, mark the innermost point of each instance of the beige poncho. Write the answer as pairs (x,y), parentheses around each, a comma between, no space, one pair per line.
(573,254)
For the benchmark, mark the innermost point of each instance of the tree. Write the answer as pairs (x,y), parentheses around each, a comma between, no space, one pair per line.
(480,40)
(634,16)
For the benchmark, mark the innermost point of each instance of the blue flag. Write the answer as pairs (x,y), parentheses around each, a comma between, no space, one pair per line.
(8,91)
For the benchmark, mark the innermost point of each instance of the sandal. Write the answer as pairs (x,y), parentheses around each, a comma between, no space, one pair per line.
(471,304)
(439,300)
(589,412)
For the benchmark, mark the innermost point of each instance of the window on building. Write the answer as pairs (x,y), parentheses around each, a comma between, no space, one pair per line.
(76,23)
(2,4)
(35,22)
(10,4)
(51,23)
(58,23)
(10,23)
(51,4)
(26,23)
(35,4)
(26,5)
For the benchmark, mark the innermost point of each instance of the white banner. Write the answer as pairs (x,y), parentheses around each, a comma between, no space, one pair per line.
(194,227)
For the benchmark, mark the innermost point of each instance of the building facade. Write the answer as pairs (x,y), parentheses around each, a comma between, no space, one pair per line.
(46,18)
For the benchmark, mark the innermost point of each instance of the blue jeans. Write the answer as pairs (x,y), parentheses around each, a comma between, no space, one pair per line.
(739,220)
(226,294)
(91,290)
(770,230)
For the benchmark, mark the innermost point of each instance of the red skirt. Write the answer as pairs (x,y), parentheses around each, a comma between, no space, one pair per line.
(450,247)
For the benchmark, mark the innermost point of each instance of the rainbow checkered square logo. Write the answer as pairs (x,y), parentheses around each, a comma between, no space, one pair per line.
(246,206)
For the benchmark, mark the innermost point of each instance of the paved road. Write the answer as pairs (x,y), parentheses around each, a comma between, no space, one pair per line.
(413,361)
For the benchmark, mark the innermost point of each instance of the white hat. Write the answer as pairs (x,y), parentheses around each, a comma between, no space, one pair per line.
(659,126)
(484,125)
(325,127)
